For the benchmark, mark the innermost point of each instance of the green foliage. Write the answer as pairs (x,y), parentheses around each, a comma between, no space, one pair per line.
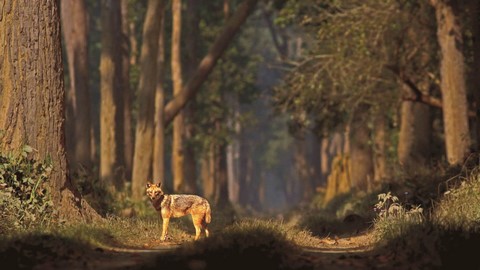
(393,218)
(24,198)
(356,53)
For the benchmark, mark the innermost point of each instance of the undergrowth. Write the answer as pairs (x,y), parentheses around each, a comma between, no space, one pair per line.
(24,199)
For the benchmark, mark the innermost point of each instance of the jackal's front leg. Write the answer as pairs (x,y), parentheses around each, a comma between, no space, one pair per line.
(165,228)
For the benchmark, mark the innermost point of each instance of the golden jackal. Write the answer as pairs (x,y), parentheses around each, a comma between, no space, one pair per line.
(178,205)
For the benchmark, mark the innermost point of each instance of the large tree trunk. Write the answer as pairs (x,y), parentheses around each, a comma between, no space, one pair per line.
(32,95)
(142,161)
(361,155)
(159,138)
(178,122)
(192,55)
(453,85)
(414,136)
(208,62)
(78,124)
(127,93)
(111,133)
(475,7)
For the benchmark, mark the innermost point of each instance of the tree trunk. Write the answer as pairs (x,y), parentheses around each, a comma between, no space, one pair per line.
(414,136)
(381,172)
(127,93)
(453,84)
(475,7)
(302,168)
(208,173)
(361,155)
(208,62)
(178,122)
(191,45)
(32,95)
(110,114)
(144,131)
(78,124)
(159,138)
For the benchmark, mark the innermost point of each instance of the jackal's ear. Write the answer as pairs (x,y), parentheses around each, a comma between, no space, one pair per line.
(149,185)
(159,185)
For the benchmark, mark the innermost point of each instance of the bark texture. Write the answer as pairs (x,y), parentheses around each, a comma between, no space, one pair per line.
(142,161)
(78,125)
(32,95)
(111,132)
(453,84)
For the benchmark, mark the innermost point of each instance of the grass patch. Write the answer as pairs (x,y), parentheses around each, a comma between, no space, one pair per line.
(250,243)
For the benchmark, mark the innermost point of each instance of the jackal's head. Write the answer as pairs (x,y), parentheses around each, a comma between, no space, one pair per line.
(154,191)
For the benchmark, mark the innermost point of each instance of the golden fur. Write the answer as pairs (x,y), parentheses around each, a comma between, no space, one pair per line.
(178,205)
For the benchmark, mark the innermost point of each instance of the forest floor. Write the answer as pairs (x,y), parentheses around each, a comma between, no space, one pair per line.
(354,252)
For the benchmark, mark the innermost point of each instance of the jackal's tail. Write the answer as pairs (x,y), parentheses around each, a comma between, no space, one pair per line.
(208,214)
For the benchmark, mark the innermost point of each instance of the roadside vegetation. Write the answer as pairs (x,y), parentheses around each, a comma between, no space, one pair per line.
(439,233)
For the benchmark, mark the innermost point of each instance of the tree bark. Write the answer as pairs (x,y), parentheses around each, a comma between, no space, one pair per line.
(414,136)
(142,161)
(178,152)
(191,45)
(208,62)
(110,71)
(32,96)
(381,172)
(159,138)
(453,84)
(361,155)
(127,92)
(302,168)
(74,25)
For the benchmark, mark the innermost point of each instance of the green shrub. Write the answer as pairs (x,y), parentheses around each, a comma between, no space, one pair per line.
(24,198)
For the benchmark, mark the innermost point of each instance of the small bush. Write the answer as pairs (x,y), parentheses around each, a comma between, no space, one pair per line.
(24,198)
(393,218)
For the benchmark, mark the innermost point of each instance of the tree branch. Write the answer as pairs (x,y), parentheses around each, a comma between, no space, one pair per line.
(209,61)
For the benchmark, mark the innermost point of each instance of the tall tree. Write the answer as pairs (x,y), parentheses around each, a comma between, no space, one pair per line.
(178,152)
(142,161)
(159,138)
(126,91)
(414,135)
(78,124)
(361,156)
(453,80)
(111,133)
(209,61)
(32,95)
(192,39)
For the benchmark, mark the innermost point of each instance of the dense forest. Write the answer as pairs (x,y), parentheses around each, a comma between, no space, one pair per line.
(316,134)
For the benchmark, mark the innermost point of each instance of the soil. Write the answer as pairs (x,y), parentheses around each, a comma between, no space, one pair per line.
(331,253)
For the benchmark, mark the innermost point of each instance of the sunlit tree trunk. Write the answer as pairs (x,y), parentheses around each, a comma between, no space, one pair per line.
(142,161)
(178,152)
(453,84)
(78,124)
(159,138)
(127,93)
(32,96)
(111,133)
